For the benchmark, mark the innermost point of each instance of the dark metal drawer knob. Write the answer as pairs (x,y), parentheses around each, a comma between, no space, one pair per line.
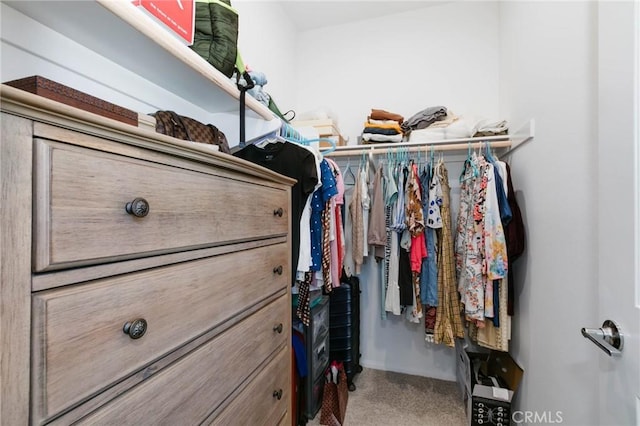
(277,394)
(278,212)
(139,207)
(278,328)
(278,270)
(136,328)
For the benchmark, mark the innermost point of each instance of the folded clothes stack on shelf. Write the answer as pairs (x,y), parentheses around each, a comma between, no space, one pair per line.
(382,126)
(439,123)
(434,123)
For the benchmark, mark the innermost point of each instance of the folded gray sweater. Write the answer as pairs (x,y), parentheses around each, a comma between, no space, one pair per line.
(424,118)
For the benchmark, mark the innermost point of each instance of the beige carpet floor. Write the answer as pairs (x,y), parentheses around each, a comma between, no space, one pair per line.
(384,398)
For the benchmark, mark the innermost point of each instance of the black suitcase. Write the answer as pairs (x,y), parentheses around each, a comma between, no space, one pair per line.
(344,326)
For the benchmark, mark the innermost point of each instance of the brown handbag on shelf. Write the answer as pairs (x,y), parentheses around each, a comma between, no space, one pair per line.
(186,128)
(334,399)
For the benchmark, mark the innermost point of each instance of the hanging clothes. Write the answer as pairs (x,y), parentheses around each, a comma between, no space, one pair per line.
(357,224)
(405,278)
(303,311)
(490,336)
(392,296)
(366,207)
(415,226)
(411,234)
(350,181)
(377,232)
(448,322)
(515,237)
(500,172)
(432,192)
(304,255)
(396,288)
(326,248)
(495,246)
(415,219)
(336,237)
(319,201)
(484,217)
(469,243)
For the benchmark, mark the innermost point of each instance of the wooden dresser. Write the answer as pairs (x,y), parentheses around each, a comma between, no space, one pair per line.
(144,280)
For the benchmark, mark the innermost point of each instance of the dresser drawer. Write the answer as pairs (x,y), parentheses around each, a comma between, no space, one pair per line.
(81,197)
(186,392)
(78,339)
(265,400)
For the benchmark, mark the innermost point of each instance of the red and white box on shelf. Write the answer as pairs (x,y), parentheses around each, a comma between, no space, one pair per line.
(176,15)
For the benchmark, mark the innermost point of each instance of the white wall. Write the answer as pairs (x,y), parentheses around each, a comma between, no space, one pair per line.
(548,71)
(266,40)
(445,54)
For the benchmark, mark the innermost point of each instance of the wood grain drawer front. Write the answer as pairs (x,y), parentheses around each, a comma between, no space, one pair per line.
(187,391)
(265,400)
(79,344)
(286,419)
(82,194)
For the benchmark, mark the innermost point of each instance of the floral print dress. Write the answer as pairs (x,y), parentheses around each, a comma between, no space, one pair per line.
(480,247)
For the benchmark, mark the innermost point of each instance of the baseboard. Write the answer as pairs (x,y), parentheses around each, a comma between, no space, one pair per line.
(414,372)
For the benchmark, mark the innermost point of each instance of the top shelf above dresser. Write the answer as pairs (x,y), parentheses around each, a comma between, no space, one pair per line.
(125,35)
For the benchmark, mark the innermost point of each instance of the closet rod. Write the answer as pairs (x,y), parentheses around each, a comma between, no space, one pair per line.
(415,147)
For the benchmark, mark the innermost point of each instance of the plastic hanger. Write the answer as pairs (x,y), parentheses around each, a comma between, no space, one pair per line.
(488,153)
(348,173)
(292,135)
(372,162)
(324,151)
(269,139)
(432,154)
(469,162)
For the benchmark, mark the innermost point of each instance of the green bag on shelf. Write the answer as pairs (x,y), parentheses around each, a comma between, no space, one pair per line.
(216,34)
(274,109)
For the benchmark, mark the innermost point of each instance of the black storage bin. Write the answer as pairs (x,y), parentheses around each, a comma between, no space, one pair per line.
(344,326)
(317,346)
